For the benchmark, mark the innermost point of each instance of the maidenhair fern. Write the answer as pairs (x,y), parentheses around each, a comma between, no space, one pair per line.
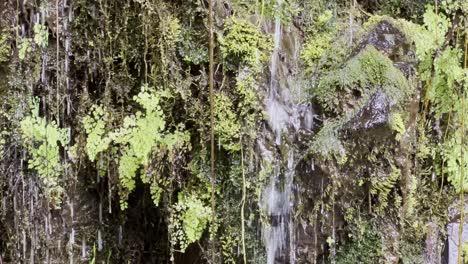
(452,152)
(95,127)
(43,140)
(141,136)
(189,219)
(41,35)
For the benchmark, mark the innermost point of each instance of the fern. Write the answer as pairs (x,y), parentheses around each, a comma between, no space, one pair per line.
(41,35)
(398,125)
(141,136)
(445,81)
(227,127)
(451,152)
(24,48)
(94,126)
(383,186)
(43,141)
(4,48)
(189,220)
(245,42)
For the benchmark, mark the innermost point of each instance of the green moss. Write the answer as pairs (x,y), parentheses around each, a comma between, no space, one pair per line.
(365,73)
(327,144)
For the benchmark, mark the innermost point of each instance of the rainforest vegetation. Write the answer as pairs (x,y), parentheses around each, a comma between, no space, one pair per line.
(233,131)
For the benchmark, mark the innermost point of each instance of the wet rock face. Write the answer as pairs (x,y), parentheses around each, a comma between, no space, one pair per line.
(387,39)
(391,42)
(375,114)
(366,132)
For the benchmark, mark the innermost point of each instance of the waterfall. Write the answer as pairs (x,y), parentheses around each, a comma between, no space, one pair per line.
(276,111)
(276,202)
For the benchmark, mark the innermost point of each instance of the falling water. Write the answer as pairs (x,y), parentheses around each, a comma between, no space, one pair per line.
(277,113)
(277,201)
(277,195)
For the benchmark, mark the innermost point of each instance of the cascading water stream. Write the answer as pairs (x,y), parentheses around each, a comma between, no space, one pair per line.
(276,112)
(276,202)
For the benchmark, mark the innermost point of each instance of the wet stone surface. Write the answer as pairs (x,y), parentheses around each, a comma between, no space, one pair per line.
(374,114)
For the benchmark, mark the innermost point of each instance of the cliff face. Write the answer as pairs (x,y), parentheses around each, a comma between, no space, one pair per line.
(339,132)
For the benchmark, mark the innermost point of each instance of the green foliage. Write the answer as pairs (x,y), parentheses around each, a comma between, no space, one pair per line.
(248,104)
(24,48)
(94,126)
(41,35)
(43,140)
(227,127)
(268,9)
(382,186)
(465,252)
(320,40)
(412,252)
(398,125)
(191,49)
(445,83)
(366,72)
(4,47)
(430,36)
(327,144)
(245,43)
(441,90)
(189,219)
(314,49)
(455,155)
(365,248)
(141,136)
(229,241)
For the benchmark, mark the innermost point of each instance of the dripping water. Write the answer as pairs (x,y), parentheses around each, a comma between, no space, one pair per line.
(83,249)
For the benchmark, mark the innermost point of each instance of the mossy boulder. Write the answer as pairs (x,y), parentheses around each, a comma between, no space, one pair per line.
(360,153)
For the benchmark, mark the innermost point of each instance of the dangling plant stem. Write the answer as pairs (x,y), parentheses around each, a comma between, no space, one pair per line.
(462,167)
(212,139)
(243,205)
(57,31)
